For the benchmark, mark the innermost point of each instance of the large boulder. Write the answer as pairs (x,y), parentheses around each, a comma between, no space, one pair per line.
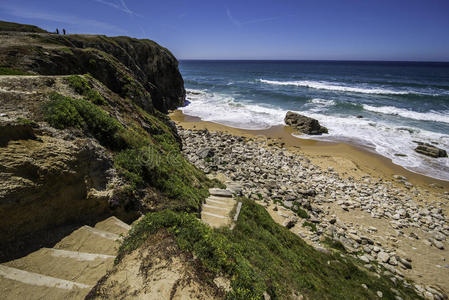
(304,124)
(430,150)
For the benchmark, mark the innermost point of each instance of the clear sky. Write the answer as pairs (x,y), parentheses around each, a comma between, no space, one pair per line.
(247,29)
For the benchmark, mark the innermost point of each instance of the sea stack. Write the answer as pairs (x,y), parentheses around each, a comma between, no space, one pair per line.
(304,124)
(430,150)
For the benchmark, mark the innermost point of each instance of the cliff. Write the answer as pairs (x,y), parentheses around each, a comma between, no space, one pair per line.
(138,69)
(75,148)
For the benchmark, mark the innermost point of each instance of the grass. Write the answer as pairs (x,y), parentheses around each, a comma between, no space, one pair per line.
(142,159)
(300,212)
(67,50)
(63,112)
(10,26)
(26,122)
(81,86)
(312,226)
(334,244)
(167,171)
(261,256)
(9,71)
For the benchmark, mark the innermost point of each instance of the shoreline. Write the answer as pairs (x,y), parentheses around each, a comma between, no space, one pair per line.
(395,228)
(346,159)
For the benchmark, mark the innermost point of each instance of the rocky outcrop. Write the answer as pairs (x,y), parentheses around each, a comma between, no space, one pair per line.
(137,69)
(304,124)
(15,130)
(63,167)
(430,150)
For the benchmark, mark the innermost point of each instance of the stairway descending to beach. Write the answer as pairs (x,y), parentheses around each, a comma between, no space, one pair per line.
(217,208)
(69,269)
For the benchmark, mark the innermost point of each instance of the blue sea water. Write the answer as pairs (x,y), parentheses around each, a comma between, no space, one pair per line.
(400,102)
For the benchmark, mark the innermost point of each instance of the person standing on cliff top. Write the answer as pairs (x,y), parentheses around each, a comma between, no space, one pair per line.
(63,31)
(57,31)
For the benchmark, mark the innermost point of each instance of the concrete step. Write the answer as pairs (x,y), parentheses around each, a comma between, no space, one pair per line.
(19,284)
(234,187)
(222,211)
(220,203)
(86,268)
(215,220)
(90,240)
(113,225)
(220,192)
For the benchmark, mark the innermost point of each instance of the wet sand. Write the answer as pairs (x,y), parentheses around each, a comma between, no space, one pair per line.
(347,159)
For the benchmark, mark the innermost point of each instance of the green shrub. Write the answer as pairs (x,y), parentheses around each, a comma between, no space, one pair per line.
(66,50)
(334,244)
(95,97)
(9,71)
(261,256)
(82,87)
(60,112)
(300,212)
(63,112)
(312,226)
(79,84)
(215,251)
(28,122)
(169,172)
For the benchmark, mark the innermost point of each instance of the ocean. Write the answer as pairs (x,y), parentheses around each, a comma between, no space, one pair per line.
(383,106)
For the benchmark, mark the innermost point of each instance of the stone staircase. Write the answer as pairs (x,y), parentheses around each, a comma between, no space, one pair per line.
(217,208)
(69,269)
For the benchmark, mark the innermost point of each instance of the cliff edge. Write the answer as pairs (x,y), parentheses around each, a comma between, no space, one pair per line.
(138,69)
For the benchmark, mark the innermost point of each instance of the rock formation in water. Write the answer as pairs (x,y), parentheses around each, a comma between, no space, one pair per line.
(430,150)
(304,124)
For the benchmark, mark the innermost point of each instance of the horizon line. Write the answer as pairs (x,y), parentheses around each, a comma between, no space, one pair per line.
(314,60)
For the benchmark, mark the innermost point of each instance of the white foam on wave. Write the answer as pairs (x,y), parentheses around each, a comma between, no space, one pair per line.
(223,109)
(323,102)
(386,139)
(322,85)
(319,105)
(389,141)
(427,116)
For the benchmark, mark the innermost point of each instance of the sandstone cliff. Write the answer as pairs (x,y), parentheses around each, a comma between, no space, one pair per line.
(74,148)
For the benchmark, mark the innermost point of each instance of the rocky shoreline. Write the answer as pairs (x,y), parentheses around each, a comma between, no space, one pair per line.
(387,224)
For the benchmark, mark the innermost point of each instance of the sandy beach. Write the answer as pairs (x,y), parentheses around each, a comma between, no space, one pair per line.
(348,160)
(380,212)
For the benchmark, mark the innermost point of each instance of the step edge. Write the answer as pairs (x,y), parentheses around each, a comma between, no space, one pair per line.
(37,279)
(80,256)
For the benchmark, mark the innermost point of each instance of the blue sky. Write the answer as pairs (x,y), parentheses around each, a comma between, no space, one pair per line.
(247,29)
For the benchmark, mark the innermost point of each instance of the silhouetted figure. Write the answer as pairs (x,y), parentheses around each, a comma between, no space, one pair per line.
(57,31)
(63,31)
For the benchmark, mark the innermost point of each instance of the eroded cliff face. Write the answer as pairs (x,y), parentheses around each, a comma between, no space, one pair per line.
(49,177)
(76,148)
(138,69)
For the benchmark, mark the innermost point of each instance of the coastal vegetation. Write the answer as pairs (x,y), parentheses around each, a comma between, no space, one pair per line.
(261,256)
(142,158)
